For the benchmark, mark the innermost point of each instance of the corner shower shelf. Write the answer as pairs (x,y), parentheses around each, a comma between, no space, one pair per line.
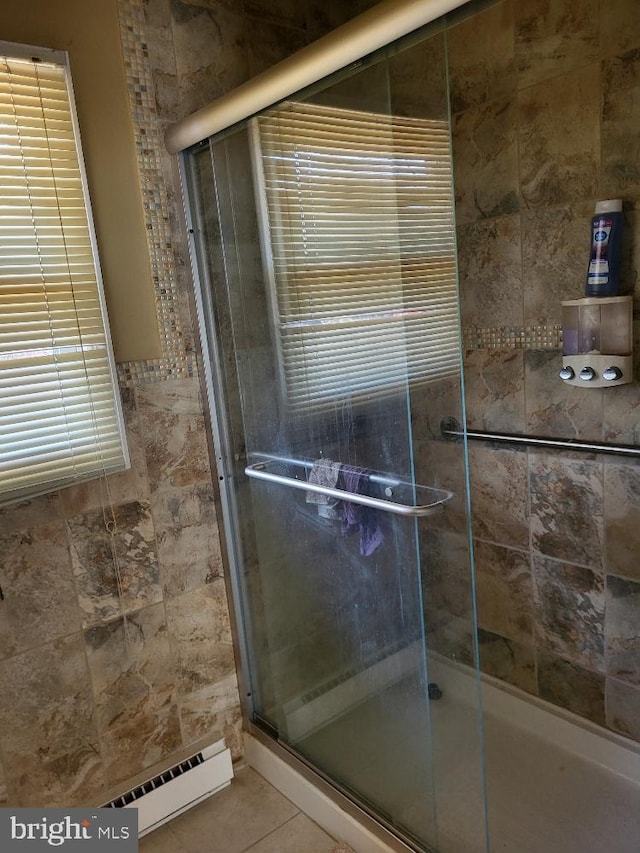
(437,498)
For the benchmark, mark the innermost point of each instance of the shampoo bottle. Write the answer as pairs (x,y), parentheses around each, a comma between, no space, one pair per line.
(603,275)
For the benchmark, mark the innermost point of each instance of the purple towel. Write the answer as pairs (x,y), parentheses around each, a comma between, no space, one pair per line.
(358,517)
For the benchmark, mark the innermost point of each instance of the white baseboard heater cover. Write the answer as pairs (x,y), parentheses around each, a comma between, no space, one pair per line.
(179,788)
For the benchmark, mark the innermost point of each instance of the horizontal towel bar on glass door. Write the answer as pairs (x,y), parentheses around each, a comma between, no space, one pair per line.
(450,428)
(436,504)
(374,476)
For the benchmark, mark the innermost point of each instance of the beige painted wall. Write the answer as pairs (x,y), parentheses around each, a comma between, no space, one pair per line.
(90,33)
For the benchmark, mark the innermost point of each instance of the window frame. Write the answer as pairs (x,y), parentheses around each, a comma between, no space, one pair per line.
(12,50)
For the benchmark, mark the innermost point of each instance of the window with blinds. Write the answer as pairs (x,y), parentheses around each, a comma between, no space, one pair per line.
(60,419)
(359,242)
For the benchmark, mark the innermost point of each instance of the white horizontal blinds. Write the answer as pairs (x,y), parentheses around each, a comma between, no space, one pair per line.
(59,419)
(361,226)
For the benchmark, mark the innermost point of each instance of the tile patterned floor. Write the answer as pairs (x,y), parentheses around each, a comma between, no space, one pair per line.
(249,816)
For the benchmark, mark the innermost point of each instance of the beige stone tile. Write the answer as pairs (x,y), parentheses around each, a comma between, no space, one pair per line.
(620,117)
(73,779)
(210,49)
(289,13)
(40,602)
(214,711)
(559,139)
(200,631)
(504,593)
(571,686)
(499,495)
(116,571)
(553,37)
(417,80)
(431,404)
(300,833)
(269,42)
(448,600)
(485,161)
(140,741)
(209,4)
(494,389)
(480,53)
(157,23)
(31,513)
(554,260)
(131,666)
(188,541)
(619,27)
(623,708)
(446,575)
(47,718)
(508,660)
(324,17)
(453,637)
(490,264)
(125,487)
(622,518)
(367,90)
(442,464)
(569,612)
(173,431)
(244,813)
(167,95)
(566,508)
(623,639)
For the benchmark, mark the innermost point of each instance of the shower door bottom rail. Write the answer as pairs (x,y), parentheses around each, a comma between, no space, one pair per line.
(438,497)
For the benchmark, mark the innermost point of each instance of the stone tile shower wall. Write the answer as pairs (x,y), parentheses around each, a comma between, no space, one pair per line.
(546,119)
(102,680)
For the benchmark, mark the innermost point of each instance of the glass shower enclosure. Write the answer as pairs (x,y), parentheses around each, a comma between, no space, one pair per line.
(324,247)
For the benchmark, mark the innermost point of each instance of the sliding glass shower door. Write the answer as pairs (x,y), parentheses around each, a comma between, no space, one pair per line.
(324,239)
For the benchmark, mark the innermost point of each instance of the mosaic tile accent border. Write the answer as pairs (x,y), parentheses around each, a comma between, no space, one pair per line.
(133,373)
(175,362)
(523,337)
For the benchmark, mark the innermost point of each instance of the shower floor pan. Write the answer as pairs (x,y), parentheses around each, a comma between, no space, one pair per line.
(555,784)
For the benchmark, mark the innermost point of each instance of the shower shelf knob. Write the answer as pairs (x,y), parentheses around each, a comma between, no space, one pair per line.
(612,373)
(587,374)
(566,373)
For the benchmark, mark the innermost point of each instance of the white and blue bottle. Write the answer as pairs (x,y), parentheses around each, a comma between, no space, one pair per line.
(603,275)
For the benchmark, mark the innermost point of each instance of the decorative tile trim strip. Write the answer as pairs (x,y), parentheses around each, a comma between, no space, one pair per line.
(523,337)
(175,361)
(135,373)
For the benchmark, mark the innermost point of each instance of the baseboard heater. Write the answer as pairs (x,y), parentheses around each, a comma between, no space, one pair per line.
(179,788)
